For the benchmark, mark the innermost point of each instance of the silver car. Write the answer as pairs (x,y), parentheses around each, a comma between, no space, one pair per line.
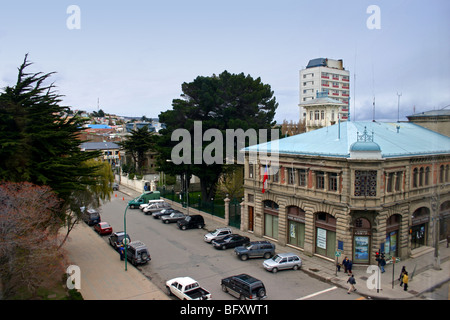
(217,234)
(283,261)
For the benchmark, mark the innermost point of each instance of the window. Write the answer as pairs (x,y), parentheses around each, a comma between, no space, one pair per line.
(291,176)
(333,182)
(415,177)
(421,174)
(275,175)
(320,180)
(427,176)
(365,183)
(441,174)
(250,170)
(322,114)
(390,181)
(398,181)
(316,115)
(302,177)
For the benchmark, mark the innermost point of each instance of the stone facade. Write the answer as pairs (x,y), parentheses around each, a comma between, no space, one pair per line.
(352,206)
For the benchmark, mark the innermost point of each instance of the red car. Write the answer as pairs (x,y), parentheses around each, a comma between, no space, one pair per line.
(103,228)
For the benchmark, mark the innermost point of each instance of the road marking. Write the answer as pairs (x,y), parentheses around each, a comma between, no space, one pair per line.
(317,293)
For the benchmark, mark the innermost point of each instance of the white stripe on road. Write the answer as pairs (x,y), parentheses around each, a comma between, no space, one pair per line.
(317,293)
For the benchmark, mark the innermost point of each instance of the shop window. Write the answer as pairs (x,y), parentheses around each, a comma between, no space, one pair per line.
(325,236)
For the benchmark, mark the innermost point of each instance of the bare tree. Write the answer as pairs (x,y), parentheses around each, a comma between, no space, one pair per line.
(29,255)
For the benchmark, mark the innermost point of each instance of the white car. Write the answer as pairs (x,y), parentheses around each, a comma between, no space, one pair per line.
(186,288)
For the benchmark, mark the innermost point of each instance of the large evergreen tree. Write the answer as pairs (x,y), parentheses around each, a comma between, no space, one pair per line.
(137,145)
(226,101)
(39,144)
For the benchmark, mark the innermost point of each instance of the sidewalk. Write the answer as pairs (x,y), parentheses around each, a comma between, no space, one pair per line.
(422,276)
(103,275)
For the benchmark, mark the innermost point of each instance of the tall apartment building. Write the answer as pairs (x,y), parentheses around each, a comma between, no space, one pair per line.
(325,77)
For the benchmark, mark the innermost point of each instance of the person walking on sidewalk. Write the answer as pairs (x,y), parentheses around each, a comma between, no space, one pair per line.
(345,264)
(382,263)
(405,281)
(122,253)
(402,273)
(352,282)
(349,266)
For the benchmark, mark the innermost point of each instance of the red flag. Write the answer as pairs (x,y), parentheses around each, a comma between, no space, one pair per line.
(266,175)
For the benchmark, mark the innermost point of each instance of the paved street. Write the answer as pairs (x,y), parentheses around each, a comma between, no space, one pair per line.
(177,253)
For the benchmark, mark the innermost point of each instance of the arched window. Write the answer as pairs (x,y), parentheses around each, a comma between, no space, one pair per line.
(415,177)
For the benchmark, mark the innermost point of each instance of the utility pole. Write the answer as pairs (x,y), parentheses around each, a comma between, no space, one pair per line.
(398,106)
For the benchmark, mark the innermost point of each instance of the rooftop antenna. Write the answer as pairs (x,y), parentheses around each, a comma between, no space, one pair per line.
(373,92)
(354,89)
(398,106)
(373,116)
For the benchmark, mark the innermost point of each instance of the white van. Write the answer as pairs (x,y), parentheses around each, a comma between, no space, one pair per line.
(144,205)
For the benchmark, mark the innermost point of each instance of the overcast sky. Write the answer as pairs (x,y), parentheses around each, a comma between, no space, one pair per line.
(133,56)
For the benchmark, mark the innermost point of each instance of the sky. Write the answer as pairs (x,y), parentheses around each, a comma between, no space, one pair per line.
(130,58)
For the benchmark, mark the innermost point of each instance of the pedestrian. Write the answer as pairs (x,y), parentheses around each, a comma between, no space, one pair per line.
(121,252)
(352,282)
(405,281)
(402,273)
(338,266)
(349,266)
(345,263)
(382,264)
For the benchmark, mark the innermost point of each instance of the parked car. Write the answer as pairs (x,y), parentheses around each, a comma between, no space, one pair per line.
(137,253)
(173,217)
(189,222)
(115,186)
(186,288)
(91,216)
(244,287)
(217,234)
(155,207)
(255,249)
(164,212)
(150,202)
(143,198)
(116,239)
(230,241)
(103,228)
(283,261)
